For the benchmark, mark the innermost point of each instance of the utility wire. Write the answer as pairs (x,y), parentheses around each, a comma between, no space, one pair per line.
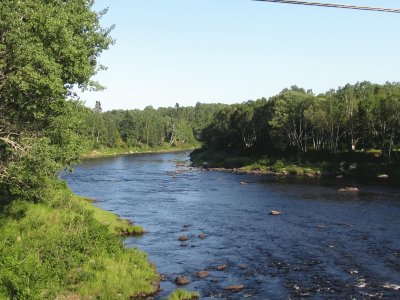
(388,10)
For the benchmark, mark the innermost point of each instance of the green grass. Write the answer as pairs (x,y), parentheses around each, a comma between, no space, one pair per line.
(123,277)
(183,295)
(59,247)
(115,224)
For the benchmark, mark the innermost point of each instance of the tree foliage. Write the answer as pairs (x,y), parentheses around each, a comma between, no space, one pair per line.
(46,48)
(149,127)
(355,117)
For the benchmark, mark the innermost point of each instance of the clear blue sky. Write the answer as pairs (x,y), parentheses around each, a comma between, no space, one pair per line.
(230,51)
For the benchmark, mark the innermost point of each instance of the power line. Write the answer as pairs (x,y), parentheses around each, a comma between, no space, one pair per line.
(388,10)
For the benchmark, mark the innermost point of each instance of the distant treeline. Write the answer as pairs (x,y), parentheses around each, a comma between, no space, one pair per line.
(149,127)
(354,117)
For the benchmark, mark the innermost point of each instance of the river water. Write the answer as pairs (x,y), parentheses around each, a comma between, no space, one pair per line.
(325,245)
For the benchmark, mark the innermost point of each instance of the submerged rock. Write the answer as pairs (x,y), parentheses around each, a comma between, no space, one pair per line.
(275,212)
(182,280)
(202,236)
(234,287)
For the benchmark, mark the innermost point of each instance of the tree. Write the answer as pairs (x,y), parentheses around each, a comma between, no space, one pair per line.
(97,108)
(289,118)
(46,48)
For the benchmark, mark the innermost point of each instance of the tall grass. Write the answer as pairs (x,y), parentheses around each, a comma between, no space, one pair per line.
(51,249)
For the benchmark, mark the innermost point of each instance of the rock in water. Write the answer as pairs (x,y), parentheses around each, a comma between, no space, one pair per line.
(234,287)
(182,280)
(221,267)
(348,189)
(202,274)
(202,236)
(182,238)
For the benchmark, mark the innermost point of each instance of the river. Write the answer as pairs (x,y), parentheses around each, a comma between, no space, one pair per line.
(325,244)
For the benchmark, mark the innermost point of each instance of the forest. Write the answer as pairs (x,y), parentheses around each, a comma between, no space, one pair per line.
(147,128)
(357,117)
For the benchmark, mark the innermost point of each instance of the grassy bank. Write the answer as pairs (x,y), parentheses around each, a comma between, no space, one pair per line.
(116,225)
(65,248)
(361,165)
(104,152)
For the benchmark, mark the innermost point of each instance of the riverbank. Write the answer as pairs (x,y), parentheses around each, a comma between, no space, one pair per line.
(66,248)
(166,148)
(357,165)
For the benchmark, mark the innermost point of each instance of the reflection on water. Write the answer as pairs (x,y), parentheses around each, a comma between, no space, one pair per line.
(326,244)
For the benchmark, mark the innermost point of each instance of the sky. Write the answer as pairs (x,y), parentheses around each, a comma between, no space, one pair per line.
(231,51)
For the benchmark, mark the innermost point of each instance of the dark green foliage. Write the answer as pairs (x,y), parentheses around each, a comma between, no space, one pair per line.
(356,117)
(149,127)
(46,47)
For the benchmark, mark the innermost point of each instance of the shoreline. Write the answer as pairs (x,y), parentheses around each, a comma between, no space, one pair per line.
(311,176)
(122,228)
(111,152)
(347,167)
